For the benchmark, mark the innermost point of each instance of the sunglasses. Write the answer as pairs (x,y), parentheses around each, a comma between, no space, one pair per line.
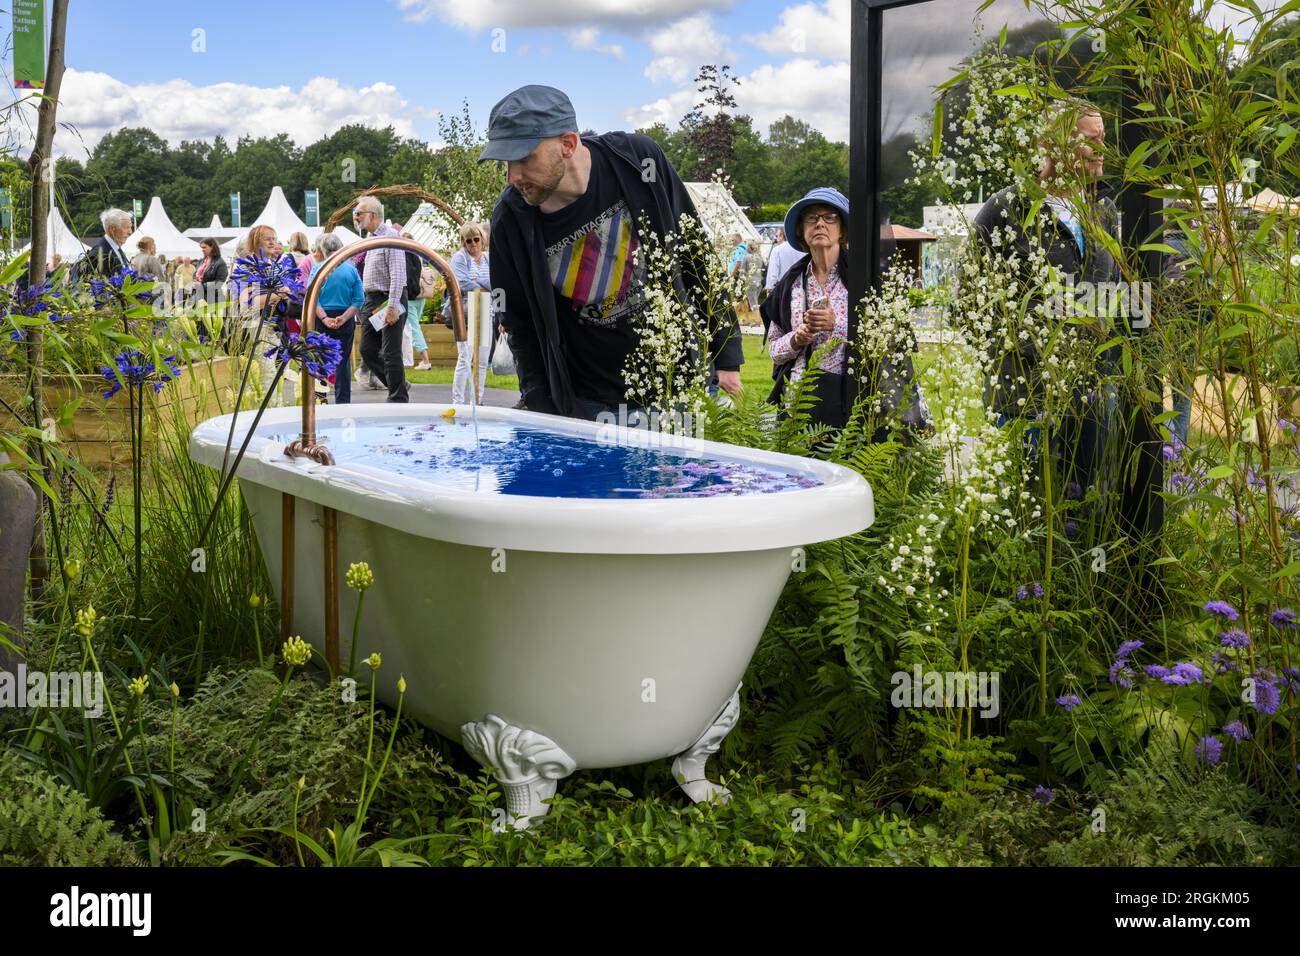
(830,218)
(475,239)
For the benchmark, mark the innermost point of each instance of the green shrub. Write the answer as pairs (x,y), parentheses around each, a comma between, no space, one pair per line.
(44,823)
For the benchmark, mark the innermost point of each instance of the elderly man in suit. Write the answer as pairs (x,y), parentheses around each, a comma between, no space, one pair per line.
(105,257)
(1075,197)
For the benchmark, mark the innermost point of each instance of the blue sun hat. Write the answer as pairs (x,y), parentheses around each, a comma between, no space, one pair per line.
(824,196)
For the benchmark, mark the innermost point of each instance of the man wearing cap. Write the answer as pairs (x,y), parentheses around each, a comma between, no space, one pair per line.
(564,248)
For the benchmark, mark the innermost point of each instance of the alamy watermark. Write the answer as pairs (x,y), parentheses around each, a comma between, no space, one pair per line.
(1108,300)
(637,428)
(81,690)
(950,689)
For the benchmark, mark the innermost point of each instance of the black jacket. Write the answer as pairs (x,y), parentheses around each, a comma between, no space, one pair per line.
(519,269)
(898,393)
(100,261)
(214,279)
(1095,266)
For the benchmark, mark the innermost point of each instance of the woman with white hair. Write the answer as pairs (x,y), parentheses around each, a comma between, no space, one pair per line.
(470,264)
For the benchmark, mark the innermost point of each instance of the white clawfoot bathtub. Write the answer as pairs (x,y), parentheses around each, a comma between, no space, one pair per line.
(545,633)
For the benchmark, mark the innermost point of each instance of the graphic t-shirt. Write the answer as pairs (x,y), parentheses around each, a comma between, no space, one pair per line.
(599,288)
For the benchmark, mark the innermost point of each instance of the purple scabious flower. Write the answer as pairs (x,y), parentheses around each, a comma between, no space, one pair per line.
(1157,670)
(133,369)
(1235,638)
(1043,795)
(321,353)
(1221,608)
(1183,674)
(1071,529)
(1069,701)
(1287,426)
(1121,674)
(1025,590)
(1210,751)
(1266,694)
(1283,617)
(1291,679)
(1221,663)
(1127,648)
(1237,731)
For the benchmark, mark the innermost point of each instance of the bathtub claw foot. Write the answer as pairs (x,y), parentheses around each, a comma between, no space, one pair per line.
(688,767)
(526,764)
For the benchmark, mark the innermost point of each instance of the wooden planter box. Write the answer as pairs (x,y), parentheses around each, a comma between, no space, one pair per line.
(1209,415)
(99,435)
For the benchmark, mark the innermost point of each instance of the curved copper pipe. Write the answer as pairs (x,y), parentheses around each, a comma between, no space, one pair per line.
(306,445)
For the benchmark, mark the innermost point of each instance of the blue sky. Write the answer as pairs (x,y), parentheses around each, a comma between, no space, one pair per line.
(306,68)
(193,71)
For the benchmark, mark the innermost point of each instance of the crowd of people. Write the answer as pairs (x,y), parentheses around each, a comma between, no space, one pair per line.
(567,284)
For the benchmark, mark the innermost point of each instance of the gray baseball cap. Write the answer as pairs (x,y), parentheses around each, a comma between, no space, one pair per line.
(526,117)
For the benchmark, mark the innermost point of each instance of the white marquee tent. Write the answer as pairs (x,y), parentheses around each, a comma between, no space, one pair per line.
(169,240)
(213,230)
(61,241)
(430,226)
(279,215)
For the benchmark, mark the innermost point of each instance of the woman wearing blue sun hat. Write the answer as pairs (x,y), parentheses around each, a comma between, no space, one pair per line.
(809,307)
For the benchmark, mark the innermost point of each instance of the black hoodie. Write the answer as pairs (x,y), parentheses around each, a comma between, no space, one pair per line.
(520,270)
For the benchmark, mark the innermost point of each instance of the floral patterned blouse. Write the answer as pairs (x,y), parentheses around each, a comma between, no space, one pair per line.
(782,349)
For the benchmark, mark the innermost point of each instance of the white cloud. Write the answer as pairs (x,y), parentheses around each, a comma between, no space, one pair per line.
(588,38)
(817,93)
(667,110)
(481,14)
(96,103)
(810,29)
(682,46)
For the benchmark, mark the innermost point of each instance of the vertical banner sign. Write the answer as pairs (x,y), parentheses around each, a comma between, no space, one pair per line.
(29,44)
(137,207)
(234,210)
(6,213)
(313,207)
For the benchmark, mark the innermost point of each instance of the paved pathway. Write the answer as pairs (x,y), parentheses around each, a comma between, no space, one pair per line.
(432,393)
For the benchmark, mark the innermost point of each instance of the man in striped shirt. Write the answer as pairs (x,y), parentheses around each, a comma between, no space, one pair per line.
(384,283)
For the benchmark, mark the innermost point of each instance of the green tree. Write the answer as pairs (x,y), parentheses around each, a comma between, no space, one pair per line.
(351,158)
(409,164)
(255,167)
(456,176)
(130,163)
(713,136)
(754,178)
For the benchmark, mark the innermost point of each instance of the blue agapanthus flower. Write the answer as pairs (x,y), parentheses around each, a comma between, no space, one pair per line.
(320,352)
(264,274)
(112,290)
(133,368)
(32,302)
(1069,701)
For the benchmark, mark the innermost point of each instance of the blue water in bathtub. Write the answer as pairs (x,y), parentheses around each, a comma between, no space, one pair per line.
(512,459)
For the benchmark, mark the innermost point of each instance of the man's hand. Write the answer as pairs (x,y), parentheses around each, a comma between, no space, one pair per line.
(729,382)
(390,315)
